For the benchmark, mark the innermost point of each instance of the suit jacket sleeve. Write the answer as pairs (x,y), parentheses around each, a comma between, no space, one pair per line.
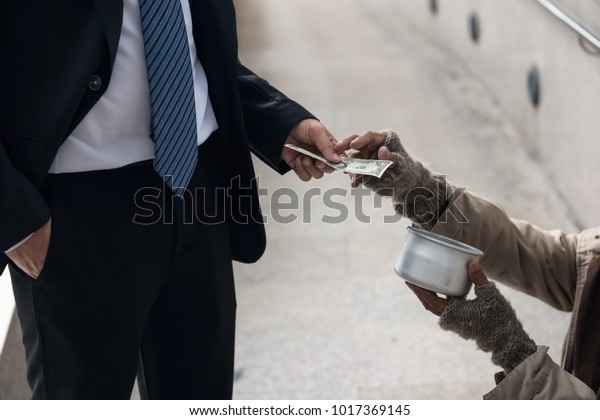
(269,116)
(23,210)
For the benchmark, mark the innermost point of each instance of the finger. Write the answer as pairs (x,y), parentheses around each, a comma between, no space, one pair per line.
(439,306)
(424,293)
(344,145)
(325,142)
(385,154)
(309,166)
(361,154)
(324,167)
(369,140)
(289,156)
(366,153)
(476,274)
(424,302)
(356,180)
(436,304)
(300,170)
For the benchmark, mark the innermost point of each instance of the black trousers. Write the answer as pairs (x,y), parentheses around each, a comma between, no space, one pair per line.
(134,283)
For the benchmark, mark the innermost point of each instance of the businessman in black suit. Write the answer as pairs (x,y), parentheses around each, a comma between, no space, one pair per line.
(119,267)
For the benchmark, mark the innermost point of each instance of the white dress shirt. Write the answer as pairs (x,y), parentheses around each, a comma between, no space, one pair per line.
(116,132)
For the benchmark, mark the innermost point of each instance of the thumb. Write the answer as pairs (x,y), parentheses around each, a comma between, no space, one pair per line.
(476,274)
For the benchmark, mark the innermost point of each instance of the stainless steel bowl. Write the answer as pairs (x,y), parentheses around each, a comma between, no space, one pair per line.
(436,263)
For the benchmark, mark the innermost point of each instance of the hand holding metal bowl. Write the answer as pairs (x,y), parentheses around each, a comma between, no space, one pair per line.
(436,263)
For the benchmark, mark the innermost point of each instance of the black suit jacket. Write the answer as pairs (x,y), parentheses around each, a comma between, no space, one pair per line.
(49,52)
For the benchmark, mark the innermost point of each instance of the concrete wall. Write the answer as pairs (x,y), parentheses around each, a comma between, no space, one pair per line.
(564,131)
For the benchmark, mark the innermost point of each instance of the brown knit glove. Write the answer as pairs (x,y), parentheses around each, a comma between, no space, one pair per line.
(416,192)
(491,321)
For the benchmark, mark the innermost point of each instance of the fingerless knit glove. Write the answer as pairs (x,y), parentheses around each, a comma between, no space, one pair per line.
(416,192)
(491,321)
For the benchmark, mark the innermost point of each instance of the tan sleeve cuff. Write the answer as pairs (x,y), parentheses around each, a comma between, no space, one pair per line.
(539,378)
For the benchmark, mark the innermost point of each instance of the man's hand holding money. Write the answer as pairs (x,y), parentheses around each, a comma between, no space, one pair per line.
(310,134)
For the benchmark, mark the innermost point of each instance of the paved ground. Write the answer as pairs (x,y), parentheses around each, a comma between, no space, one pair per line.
(322,315)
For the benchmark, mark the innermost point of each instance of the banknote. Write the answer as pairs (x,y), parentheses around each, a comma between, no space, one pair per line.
(372,167)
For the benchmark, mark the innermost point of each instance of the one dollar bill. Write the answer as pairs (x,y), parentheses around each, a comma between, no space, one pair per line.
(370,167)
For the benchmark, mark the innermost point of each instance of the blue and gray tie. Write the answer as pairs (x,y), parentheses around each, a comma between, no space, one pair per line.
(171,82)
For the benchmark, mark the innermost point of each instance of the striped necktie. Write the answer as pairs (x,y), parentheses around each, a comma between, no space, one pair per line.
(171,82)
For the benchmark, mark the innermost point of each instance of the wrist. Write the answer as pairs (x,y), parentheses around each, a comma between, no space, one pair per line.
(514,352)
(424,204)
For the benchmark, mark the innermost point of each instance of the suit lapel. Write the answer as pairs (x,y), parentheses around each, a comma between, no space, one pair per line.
(111,15)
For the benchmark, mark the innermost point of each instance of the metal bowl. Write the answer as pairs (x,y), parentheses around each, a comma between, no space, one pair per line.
(436,263)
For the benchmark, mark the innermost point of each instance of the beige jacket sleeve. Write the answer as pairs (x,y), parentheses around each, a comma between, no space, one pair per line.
(539,378)
(537,262)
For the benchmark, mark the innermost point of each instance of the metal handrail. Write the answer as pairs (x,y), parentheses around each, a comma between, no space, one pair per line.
(571,21)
